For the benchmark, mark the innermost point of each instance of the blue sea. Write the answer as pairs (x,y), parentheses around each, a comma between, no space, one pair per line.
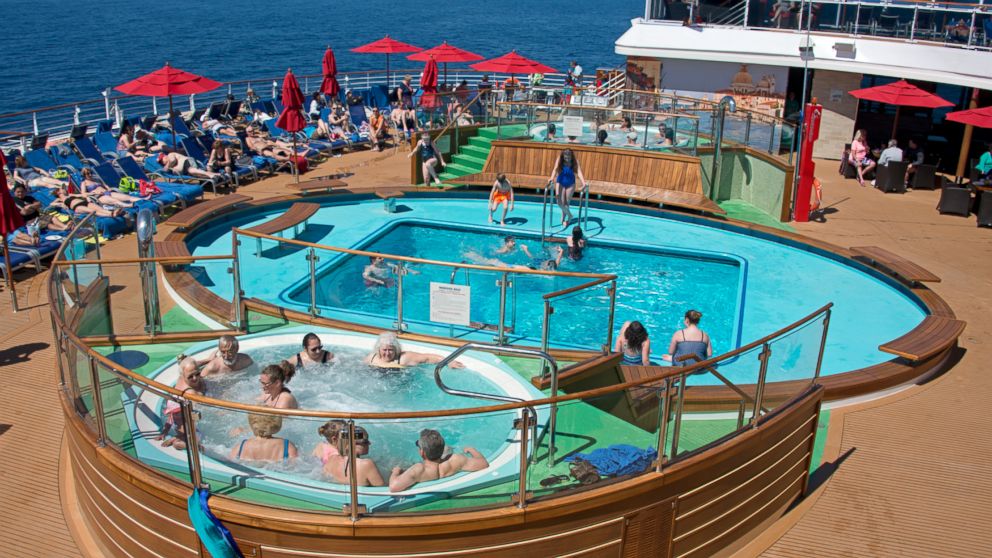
(57,51)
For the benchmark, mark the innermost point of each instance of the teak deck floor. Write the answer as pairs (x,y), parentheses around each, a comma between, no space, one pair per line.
(914,481)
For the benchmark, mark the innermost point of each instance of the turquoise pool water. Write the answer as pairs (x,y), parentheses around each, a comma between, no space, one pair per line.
(657,285)
(781,282)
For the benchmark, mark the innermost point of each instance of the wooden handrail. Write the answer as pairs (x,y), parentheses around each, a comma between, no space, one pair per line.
(410,259)
(455,119)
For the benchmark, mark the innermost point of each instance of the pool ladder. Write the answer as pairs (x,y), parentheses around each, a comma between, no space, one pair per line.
(532,413)
(548,209)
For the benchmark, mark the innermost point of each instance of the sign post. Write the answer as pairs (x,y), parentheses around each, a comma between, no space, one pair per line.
(810,133)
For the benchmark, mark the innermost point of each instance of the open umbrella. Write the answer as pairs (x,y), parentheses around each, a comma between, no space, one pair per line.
(445,53)
(386,46)
(330,85)
(901,94)
(291,119)
(980,117)
(428,83)
(512,63)
(10,221)
(166,82)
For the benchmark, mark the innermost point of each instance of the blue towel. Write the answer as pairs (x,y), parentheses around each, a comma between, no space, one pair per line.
(215,537)
(618,460)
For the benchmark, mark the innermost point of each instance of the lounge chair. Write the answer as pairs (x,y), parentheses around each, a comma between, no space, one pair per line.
(19,260)
(112,179)
(153,167)
(187,193)
(194,150)
(243,167)
(89,151)
(43,160)
(107,144)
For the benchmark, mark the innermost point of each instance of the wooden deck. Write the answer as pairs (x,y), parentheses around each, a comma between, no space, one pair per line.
(911,469)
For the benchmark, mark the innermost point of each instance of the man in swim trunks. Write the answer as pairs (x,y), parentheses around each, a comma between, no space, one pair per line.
(387,353)
(502,193)
(378,273)
(435,465)
(226,359)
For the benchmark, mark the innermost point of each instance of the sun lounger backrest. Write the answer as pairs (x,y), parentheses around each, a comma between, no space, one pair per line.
(357,113)
(105,125)
(87,149)
(106,142)
(40,158)
(217,110)
(180,127)
(130,167)
(108,174)
(193,149)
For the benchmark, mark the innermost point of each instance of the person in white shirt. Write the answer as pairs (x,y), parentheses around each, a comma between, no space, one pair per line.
(576,72)
(891,153)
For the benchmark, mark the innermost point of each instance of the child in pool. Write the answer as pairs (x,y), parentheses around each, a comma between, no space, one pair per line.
(377,273)
(502,193)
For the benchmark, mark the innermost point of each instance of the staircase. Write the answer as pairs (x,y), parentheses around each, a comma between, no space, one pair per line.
(471,157)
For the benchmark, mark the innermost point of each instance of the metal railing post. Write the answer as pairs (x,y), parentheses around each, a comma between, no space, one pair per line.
(34,122)
(612,291)
(101,425)
(677,428)
(912,28)
(192,444)
(823,344)
(524,431)
(747,5)
(546,325)
(771,139)
(192,102)
(353,478)
(312,261)
(663,411)
(58,353)
(399,298)
(154,105)
(747,129)
(759,392)
(106,103)
(500,327)
(236,278)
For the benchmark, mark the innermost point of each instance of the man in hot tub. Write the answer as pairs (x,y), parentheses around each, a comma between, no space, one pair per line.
(226,359)
(435,464)
(387,353)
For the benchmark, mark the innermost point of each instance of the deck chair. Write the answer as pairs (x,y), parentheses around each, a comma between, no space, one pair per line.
(65,157)
(88,151)
(19,260)
(276,132)
(107,144)
(232,109)
(195,151)
(112,179)
(954,200)
(186,193)
(153,168)
(358,117)
(891,177)
(380,97)
(242,168)
(105,125)
(261,161)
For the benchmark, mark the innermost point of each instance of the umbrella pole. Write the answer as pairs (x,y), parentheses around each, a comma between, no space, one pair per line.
(172,123)
(966,139)
(296,167)
(10,274)
(895,123)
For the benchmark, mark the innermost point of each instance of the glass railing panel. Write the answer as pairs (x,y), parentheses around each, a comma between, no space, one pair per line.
(79,379)
(793,358)
(262,259)
(581,319)
(214,285)
(457,302)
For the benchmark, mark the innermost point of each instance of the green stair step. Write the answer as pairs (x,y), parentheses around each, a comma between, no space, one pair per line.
(475,151)
(490,133)
(480,142)
(455,167)
(469,160)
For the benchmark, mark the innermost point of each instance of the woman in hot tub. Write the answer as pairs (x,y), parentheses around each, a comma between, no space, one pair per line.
(387,353)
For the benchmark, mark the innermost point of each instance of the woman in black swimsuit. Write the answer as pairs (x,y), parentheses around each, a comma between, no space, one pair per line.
(313,353)
(82,205)
(429,157)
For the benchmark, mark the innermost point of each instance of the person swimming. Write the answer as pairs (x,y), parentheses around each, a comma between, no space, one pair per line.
(378,273)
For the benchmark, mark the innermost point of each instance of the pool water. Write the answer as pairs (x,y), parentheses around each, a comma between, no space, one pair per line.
(348,384)
(656,286)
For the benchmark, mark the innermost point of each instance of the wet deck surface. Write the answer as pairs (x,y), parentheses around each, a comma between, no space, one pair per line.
(916,473)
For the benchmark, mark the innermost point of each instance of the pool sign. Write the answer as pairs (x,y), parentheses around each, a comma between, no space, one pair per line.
(573,125)
(450,303)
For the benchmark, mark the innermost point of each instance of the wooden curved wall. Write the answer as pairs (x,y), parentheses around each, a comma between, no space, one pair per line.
(703,505)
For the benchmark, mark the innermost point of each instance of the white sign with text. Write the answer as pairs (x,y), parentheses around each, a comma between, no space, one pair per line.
(572,125)
(450,303)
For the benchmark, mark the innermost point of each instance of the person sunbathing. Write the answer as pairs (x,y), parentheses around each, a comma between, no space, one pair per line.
(339,117)
(103,194)
(34,176)
(82,205)
(182,165)
(259,142)
(216,127)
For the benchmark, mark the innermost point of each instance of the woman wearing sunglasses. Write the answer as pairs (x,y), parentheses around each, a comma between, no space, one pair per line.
(313,353)
(338,467)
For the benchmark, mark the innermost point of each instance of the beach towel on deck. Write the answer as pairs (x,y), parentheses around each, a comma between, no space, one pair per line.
(618,460)
(214,536)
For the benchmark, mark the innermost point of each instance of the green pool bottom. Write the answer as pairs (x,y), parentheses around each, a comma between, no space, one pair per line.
(581,428)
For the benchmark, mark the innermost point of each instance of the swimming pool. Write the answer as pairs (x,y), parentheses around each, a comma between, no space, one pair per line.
(781,282)
(346,385)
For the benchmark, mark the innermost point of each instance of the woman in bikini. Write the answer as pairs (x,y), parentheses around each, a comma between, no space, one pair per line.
(313,353)
(330,431)
(338,467)
(275,394)
(104,195)
(264,446)
(184,166)
(634,344)
(82,205)
(501,194)
(258,143)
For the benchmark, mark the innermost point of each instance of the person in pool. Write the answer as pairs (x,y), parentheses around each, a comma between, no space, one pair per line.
(264,446)
(576,243)
(190,379)
(226,358)
(634,344)
(501,194)
(544,264)
(377,273)
(552,130)
(434,463)
(313,353)
(330,431)
(273,380)
(388,353)
(366,471)
(690,344)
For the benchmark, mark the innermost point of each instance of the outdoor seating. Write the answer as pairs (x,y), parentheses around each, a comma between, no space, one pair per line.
(187,193)
(891,177)
(984,209)
(954,200)
(924,178)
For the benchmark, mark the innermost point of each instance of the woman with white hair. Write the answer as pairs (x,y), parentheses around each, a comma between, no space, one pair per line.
(388,353)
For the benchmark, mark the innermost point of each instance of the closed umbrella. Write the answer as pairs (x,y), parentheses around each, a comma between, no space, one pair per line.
(387,46)
(901,94)
(329,86)
(166,82)
(428,83)
(445,53)
(10,221)
(291,119)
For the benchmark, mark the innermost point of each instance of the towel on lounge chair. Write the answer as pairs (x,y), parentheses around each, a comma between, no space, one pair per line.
(618,459)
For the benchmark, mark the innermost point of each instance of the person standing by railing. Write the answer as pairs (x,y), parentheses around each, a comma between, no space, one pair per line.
(564,175)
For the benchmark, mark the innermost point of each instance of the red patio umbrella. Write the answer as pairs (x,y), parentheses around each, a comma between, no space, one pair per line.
(291,119)
(387,46)
(428,83)
(10,221)
(166,82)
(901,94)
(512,63)
(980,117)
(330,84)
(445,53)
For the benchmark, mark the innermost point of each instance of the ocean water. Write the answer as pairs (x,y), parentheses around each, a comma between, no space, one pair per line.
(60,52)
